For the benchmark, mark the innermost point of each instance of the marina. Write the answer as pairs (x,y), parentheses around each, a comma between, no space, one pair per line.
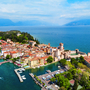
(18,74)
(45,78)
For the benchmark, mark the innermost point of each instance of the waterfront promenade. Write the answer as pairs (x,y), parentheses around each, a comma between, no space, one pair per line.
(19,76)
(4,62)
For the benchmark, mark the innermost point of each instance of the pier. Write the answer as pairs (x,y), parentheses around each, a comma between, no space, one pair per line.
(19,76)
(43,88)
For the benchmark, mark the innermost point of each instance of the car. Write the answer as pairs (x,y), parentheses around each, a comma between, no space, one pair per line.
(57,72)
(52,75)
(43,78)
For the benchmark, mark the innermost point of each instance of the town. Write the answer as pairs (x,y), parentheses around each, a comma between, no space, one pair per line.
(30,55)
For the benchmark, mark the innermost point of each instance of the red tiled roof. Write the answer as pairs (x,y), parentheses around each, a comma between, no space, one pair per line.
(72,81)
(87,58)
(13,52)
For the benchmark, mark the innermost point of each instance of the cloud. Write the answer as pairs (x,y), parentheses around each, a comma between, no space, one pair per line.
(52,11)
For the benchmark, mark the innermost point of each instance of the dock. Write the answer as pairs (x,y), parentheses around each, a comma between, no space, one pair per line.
(43,88)
(19,76)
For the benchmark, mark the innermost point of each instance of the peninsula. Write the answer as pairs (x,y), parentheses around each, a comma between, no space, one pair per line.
(25,51)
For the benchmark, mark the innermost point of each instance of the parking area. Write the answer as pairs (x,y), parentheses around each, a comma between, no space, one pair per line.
(45,78)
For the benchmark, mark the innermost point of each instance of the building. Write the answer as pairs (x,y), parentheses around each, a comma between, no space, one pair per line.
(18,34)
(87,60)
(32,43)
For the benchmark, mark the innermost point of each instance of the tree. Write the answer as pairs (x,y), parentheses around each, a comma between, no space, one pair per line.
(14,59)
(18,57)
(63,62)
(69,76)
(74,62)
(62,81)
(52,79)
(81,59)
(0,38)
(49,59)
(8,57)
(62,88)
(75,85)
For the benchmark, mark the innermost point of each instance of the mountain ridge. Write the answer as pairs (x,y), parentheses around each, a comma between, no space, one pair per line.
(79,22)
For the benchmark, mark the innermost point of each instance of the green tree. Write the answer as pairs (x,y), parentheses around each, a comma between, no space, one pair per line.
(18,57)
(14,59)
(62,88)
(49,59)
(62,81)
(0,38)
(75,85)
(74,62)
(69,76)
(63,62)
(52,79)
(8,57)
(81,59)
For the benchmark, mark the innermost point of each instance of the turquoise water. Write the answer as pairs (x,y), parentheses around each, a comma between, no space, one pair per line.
(1,60)
(10,81)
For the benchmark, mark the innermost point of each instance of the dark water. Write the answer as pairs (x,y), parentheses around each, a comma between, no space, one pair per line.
(72,37)
(10,81)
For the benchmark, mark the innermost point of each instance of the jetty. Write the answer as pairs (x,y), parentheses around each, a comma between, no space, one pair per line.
(19,76)
(43,88)
(4,62)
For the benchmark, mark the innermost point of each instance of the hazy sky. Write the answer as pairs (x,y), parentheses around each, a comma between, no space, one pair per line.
(52,11)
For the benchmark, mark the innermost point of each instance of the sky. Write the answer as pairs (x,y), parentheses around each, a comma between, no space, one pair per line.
(58,12)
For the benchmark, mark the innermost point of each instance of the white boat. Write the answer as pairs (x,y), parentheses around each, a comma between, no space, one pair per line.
(1,78)
(23,77)
(38,67)
(23,69)
(20,72)
(59,67)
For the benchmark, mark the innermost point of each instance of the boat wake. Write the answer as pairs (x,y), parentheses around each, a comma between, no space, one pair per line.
(1,78)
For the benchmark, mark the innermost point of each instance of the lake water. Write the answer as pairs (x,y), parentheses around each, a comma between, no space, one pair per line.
(10,81)
(72,37)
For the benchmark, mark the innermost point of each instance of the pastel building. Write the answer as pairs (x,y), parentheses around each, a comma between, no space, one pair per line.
(32,43)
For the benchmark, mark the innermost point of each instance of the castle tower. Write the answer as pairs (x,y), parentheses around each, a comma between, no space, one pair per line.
(49,44)
(61,46)
(77,50)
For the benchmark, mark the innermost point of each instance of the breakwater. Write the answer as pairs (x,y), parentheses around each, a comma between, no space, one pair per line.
(19,76)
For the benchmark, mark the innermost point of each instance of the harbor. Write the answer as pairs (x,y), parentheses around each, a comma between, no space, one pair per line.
(18,74)
(43,88)
(45,78)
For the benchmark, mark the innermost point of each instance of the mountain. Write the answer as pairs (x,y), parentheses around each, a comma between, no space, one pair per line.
(8,22)
(79,22)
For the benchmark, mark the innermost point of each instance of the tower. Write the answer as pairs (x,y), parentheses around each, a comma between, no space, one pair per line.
(61,46)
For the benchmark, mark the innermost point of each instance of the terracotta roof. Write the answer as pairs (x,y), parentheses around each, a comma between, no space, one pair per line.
(72,82)
(6,52)
(87,58)
(13,52)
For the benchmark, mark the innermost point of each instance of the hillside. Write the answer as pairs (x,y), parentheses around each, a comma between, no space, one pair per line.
(8,22)
(13,35)
(79,22)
